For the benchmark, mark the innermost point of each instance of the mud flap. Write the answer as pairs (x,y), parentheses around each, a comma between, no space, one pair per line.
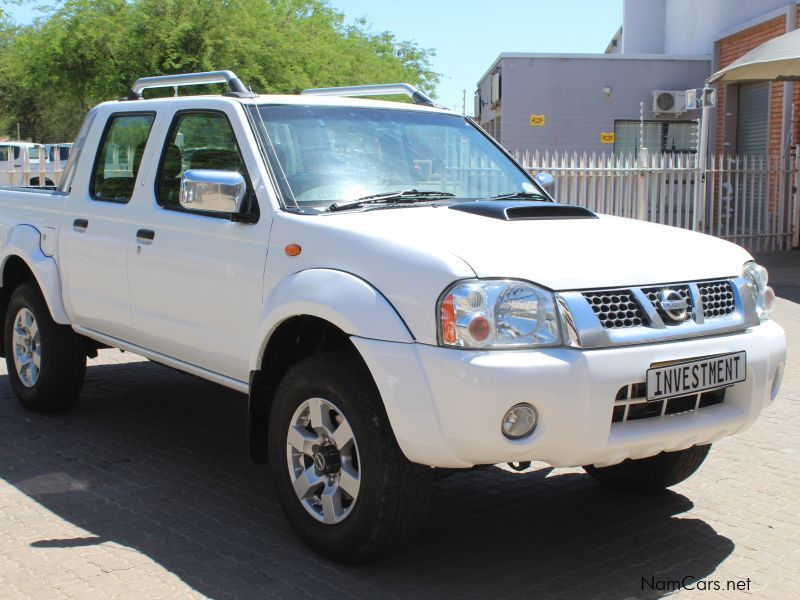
(257,417)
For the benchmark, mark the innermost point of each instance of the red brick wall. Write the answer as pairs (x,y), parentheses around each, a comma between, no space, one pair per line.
(731,48)
(796,102)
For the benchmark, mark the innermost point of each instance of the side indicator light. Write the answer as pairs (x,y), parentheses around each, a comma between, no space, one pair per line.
(292,250)
(448,318)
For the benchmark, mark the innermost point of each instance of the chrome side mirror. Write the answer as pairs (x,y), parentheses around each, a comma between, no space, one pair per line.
(546,181)
(207,189)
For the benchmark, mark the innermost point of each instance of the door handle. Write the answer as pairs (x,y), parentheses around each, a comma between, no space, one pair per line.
(145,235)
(80,224)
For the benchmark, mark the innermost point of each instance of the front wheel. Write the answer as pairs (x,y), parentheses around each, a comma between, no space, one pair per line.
(345,486)
(46,361)
(651,474)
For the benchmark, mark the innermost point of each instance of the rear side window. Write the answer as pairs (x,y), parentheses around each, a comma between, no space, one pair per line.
(119,157)
(199,140)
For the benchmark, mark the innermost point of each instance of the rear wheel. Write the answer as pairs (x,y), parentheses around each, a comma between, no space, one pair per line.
(46,361)
(347,489)
(651,474)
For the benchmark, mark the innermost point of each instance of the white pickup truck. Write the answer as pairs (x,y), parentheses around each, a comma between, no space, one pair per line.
(29,164)
(395,294)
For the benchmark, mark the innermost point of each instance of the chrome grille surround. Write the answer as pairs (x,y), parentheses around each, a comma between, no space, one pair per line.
(731,308)
(683,290)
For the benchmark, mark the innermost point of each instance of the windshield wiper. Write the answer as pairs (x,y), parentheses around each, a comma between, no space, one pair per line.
(403,196)
(521,196)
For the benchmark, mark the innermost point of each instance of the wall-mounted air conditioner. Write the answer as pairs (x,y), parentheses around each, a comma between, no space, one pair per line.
(669,102)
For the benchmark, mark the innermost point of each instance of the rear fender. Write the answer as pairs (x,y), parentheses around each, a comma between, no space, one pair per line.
(24,241)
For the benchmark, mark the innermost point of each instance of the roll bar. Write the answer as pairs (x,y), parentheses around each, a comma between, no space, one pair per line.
(234,83)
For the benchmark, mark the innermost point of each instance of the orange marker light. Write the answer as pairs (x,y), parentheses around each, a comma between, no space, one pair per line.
(292,250)
(448,321)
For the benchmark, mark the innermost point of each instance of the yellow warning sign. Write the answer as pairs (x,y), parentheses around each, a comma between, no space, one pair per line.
(537,120)
(607,138)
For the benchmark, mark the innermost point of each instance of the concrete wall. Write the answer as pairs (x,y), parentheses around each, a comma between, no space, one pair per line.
(568,90)
(643,27)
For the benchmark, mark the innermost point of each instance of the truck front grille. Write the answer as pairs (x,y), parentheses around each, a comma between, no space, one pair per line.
(631,403)
(616,309)
(683,290)
(717,297)
(621,308)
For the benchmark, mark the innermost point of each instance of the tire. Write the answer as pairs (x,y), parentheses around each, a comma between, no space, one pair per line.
(56,383)
(391,495)
(653,474)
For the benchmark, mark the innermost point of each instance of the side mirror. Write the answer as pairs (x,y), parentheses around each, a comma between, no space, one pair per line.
(207,189)
(546,181)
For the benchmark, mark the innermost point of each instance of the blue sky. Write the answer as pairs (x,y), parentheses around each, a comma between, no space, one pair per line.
(469,34)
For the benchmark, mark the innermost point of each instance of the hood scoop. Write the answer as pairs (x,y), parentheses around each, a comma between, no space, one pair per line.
(524,210)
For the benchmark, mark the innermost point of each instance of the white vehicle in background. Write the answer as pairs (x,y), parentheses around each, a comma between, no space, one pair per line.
(27,164)
(57,155)
(397,297)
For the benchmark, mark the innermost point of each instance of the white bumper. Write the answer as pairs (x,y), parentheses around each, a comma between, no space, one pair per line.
(445,405)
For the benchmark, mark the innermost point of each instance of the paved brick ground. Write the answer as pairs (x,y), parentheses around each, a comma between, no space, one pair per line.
(145,490)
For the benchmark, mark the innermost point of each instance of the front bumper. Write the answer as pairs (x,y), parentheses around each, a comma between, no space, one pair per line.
(445,406)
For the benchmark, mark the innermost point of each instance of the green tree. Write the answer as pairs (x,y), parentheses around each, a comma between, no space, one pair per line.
(87,51)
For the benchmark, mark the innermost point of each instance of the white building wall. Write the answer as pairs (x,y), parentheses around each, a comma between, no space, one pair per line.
(643,26)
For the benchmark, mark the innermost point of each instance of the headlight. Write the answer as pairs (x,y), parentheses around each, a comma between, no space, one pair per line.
(763,295)
(497,314)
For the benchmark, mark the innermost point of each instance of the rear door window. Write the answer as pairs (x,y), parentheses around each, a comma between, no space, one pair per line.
(120,156)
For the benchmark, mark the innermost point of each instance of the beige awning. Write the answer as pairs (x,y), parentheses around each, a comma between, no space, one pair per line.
(775,60)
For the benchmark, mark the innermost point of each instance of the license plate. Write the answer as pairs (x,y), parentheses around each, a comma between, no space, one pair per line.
(693,376)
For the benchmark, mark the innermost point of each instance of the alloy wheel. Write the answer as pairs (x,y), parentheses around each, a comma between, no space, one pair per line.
(322,456)
(27,347)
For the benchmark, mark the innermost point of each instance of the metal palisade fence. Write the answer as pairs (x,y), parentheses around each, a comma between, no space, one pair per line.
(27,172)
(750,200)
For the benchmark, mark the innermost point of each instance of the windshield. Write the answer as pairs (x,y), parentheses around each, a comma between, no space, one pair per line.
(327,154)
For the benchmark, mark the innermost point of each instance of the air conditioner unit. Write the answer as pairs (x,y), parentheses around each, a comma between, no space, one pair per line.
(669,102)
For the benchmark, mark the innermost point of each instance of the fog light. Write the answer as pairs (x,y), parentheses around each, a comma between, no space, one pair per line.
(519,421)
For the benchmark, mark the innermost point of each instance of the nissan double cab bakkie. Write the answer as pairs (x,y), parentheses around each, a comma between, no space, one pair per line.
(395,294)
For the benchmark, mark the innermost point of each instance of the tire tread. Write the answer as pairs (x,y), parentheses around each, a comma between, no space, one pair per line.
(404,486)
(63,356)
(651,474)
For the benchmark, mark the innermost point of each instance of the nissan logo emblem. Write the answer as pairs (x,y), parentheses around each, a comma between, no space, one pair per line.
(673,306)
